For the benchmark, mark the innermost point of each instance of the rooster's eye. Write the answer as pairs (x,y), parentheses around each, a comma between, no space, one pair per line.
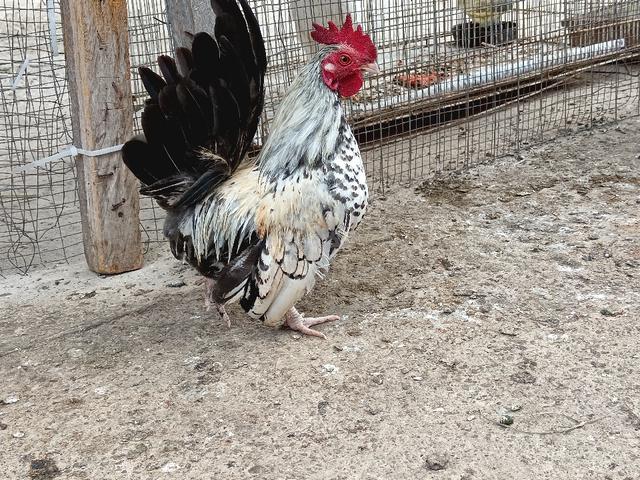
(345,59)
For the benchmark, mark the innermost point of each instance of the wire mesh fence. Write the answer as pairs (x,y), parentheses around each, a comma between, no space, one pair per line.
(39,210)
(462,82)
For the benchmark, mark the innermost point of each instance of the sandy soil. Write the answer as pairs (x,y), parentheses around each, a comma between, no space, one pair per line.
(490,330)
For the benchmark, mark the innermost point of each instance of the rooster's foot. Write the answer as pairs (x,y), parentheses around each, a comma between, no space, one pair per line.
(295,321)
(224,316)
(209,302)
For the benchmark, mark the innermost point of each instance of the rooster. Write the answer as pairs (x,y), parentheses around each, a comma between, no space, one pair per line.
(259,230)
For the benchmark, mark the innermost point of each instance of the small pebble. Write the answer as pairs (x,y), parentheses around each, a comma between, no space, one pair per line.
(372,410)
(3,426)
(417,378)
(170,467)
(256,470)
(8,400)
(75,353)
(18,435)
(436,462)
(322,408)
(351,348)
(43,468)
(177,284)
(141,291)
(506,419)
(516,407)
(397,291)
(329,368)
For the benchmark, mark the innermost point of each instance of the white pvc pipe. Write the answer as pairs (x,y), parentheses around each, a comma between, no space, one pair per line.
(21,71)
(494,73)
(51,13)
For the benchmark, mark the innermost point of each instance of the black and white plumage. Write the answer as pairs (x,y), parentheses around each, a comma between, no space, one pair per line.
(261,231)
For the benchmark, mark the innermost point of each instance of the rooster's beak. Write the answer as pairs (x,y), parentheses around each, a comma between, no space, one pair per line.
(371,68)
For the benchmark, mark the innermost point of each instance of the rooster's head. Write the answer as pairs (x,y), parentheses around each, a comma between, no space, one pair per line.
(353,54)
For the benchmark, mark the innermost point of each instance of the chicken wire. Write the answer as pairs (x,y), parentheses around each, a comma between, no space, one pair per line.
(39,208)
(447,99)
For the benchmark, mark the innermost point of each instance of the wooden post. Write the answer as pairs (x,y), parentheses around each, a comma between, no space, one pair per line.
(97,55)
(189,17)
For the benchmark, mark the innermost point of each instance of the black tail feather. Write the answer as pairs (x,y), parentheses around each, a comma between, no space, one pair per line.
(257,43)
(163,133)
(205,184)
(152,82)
(169,69)
(206,58)
(207,105)
(135,154)
(197,113)
(184,60)
(168,191)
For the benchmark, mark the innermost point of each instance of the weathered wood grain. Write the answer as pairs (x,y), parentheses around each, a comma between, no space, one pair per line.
(98,69)
(188,17)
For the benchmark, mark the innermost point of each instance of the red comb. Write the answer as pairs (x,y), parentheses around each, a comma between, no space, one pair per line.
(354,38)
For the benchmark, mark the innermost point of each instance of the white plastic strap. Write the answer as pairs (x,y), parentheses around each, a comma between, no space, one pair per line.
(21,71)
(51,13)
(70,151)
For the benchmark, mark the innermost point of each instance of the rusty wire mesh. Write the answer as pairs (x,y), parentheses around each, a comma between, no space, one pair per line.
(458,87)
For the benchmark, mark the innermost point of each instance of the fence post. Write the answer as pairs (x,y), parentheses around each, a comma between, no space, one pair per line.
(97,56)
(190,16)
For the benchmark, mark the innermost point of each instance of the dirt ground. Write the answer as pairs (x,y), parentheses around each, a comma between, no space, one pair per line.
(490,330)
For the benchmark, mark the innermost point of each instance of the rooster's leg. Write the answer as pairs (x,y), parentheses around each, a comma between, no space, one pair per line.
(209,301)
(295,321)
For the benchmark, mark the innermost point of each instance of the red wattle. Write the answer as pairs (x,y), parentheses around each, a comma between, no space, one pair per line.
(349,86)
